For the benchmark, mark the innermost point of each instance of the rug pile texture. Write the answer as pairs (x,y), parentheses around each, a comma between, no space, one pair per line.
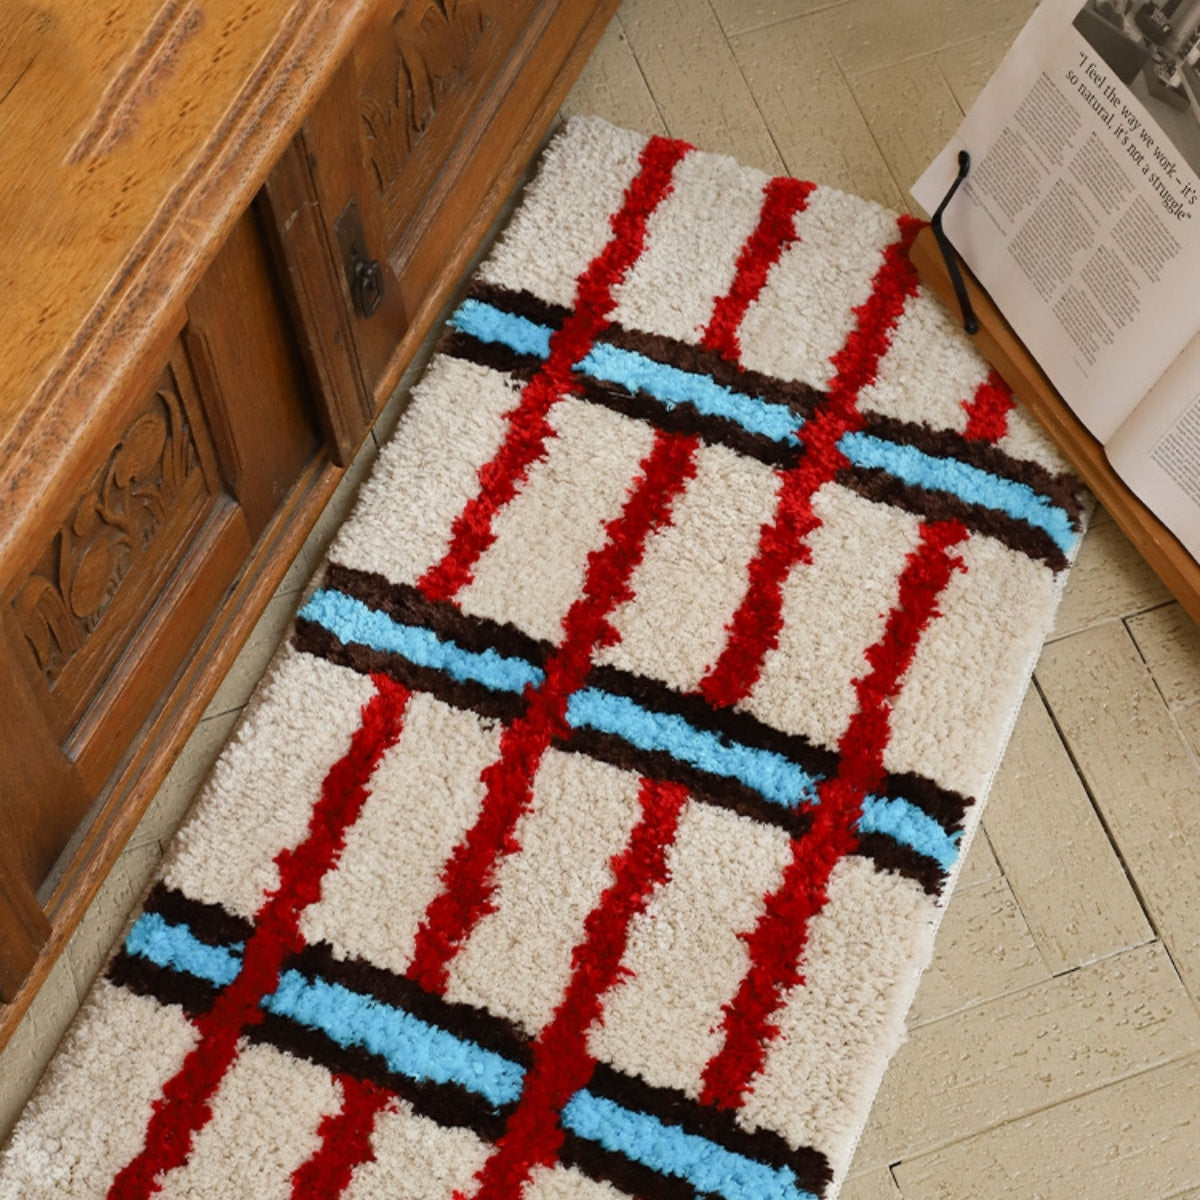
(588,837)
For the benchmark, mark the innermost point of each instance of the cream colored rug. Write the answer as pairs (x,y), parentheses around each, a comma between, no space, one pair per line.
(589,837)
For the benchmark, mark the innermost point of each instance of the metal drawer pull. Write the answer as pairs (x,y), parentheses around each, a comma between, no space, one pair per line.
(367,286)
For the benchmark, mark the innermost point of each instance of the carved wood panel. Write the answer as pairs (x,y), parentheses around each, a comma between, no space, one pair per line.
(432,42)
(420,87)
(113,524)
(415,144)
(117,540)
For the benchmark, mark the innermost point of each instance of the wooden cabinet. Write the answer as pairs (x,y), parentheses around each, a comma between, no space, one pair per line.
(111,612)
(398,171)
(282,198)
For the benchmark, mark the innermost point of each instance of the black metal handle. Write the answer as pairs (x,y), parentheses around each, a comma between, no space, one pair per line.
(367,286)
(969,319)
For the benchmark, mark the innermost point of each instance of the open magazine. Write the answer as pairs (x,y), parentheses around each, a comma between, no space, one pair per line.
(1080,215)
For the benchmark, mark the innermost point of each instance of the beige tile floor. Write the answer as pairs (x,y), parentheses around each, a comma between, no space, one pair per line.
(1054,1047)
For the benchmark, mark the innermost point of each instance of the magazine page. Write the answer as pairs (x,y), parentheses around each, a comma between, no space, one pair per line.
(1079,214)
(1157,450)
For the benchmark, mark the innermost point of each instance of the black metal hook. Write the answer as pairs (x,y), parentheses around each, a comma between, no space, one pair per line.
(969,319)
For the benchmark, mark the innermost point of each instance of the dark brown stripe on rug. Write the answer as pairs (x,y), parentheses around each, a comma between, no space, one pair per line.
(886,854)
(881,487)
(465,1021)
(946,806)
(889,856)
(685,419)
(449,1104)
(628,1177)
(144,978)
(211,923)
(314,639)
(732,725)
(802,398)
(519,302)
(721,1126)
(662,767)
(494,355)
(682,418)
(408,606)
(1059,489)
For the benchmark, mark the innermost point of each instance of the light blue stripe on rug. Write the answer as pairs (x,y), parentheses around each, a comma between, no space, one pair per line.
(975,486)
(773,776)
(669,1150)
(488,324)
(905,823)
(354,622)
(423,1052)
(635,372)
(410,1046)
(178,949)
(671,386)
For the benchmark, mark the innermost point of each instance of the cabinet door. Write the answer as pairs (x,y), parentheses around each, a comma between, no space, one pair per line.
(109,584)
(123,572)
(401,169)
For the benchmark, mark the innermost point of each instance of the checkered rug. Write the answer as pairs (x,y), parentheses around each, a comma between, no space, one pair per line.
(588,837)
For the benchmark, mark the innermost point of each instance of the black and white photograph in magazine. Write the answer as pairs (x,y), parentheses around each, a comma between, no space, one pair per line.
(1153,48)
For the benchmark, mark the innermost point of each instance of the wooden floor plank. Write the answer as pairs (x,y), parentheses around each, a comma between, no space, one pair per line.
(802,94)
(1169,640)
(979,865)
(1135,1140)
(1055,852)
(1141,774)
(1189,725)
(744,16)
(32,1045)
(612,84)
(1041,1047)
(911,113)
(984,949)
(970,64)
(866,35)
(695,80)
(870,1185)
(1109,580)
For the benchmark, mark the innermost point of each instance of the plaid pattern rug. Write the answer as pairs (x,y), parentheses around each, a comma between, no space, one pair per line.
(588,837)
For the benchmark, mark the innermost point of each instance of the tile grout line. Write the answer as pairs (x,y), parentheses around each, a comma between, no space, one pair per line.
(637,62)
(1172,710)
(769,24)
(1025,988)
(1077,767)
(762,116)
(1192,1056)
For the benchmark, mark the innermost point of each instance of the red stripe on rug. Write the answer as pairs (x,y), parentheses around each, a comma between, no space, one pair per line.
(468,877)
(988,409)
(777,944)
(783,542)
(185,1107)
(562,1063)
(783,199)
(528,426)
(345,1140)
